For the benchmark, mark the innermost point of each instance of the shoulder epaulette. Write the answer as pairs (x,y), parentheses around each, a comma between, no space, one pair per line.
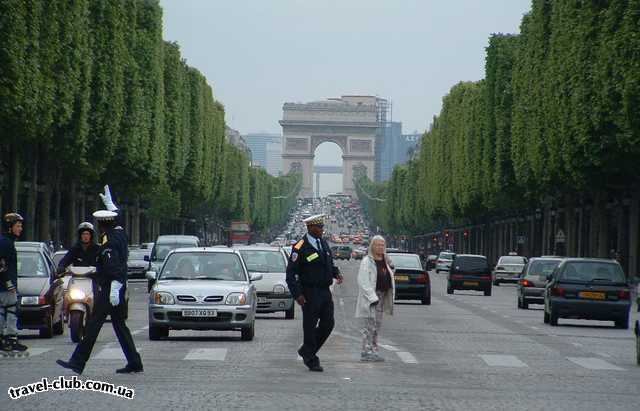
(299,245)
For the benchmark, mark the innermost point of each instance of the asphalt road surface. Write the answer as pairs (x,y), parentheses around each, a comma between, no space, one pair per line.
(464,351)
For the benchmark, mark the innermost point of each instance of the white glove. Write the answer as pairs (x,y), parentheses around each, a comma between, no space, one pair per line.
(114,296)
(107,200)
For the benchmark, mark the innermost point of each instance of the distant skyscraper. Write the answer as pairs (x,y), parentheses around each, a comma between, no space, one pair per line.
(266,151)
(393,148)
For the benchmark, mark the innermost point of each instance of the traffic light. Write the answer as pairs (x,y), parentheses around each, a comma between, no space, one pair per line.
(446,234)
(466,234)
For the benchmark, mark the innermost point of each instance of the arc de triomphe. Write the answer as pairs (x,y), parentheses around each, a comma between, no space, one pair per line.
(350,121)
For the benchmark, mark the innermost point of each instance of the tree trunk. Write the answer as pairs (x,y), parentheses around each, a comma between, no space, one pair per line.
(32,198)
(45,202)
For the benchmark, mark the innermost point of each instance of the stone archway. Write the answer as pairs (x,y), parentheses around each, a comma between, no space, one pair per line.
(348,122)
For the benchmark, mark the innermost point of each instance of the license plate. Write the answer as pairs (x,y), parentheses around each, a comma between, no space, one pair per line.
(199,313)
(402,278)
(471,283)
(592,295)
(262,300)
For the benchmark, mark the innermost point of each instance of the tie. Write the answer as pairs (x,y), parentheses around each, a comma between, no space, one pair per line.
(319,245)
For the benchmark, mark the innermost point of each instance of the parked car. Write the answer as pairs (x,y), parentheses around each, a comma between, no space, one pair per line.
(272,290)
(508,269)
(342,252)
(534,279)
(358,253)
(40,292)
(161,248)
(137,265)
(411,279)
(590,289)
(443,263)
(203,289)
(469,272)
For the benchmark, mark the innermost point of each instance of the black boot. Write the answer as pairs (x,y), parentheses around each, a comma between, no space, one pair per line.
(129,369)
(70,366)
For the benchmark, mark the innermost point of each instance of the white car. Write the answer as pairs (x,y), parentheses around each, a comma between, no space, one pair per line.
(271,264)
(202,289)
(443,263)
(509,269)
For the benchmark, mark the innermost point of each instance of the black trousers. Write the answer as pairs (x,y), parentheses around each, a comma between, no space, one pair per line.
(101,308)
(317,321)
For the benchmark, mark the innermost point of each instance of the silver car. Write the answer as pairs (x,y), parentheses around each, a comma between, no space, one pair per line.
(202,289)
(273,293)
(443,263)
(509,269)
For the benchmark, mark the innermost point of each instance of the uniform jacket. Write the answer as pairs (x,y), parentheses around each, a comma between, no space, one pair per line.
(79,257)
(111,263)
(367,279)
(8,261)
(309,268)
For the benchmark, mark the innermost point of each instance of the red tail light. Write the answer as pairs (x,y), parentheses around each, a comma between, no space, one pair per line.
(526,283)
(624,295)
(456,277)
(485,277)
(557,291)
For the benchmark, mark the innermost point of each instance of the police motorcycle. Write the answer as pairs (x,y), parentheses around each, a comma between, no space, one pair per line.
(79,300)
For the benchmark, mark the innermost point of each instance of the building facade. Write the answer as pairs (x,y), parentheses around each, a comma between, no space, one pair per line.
(393,148)
(351,122)
(266,150)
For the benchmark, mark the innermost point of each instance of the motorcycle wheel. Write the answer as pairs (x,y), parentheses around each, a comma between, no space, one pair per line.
(76,326)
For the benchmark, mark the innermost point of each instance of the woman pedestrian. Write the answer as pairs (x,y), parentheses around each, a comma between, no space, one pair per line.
(376,290)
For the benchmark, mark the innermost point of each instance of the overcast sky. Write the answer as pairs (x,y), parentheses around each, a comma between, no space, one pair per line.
(258,54)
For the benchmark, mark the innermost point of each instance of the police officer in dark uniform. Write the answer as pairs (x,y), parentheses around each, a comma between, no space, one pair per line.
(310,272)
(110,284)
(85,252)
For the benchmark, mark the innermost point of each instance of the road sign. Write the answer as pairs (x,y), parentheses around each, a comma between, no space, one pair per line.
(521,239)
(560,237)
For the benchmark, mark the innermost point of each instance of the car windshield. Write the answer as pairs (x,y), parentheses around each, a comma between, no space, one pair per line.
(406,261)
(591,271)
(160,251)
(446,256)
(541,268)
(470,264)
(512,260)
(203,266)
(31,264)
(263,261)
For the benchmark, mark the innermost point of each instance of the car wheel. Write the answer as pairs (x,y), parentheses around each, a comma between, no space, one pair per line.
(487,292)
(449,289)
(47,331)
(525,304)
(623,323)
(496,283)
(426,299)
(290,314)
(553,317)
(248,333)
(76,326)
(157,333)
(546,317)
(58,328)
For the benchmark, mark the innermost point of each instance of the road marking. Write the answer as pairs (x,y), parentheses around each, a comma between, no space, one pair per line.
(389,347)
(136,332)
(407,357)
(534,328)
(37,351)
(207,354)
(502,360)
(577,344)
(603,355)
(505,316)
(110,354)
(592,363)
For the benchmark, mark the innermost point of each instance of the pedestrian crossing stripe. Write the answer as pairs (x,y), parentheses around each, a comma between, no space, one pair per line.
(207,354)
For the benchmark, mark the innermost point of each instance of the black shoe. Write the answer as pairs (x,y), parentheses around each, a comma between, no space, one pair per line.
(315,367)
(15,346)
(75,368)
(130,369)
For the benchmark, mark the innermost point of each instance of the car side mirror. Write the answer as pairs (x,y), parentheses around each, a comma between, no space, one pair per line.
(151,275)
(255,277)
(146,258)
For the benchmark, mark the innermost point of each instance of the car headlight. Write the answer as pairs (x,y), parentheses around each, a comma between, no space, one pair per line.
(32,300)
(163,298)
(236,299)
(279,289)
(77,294)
